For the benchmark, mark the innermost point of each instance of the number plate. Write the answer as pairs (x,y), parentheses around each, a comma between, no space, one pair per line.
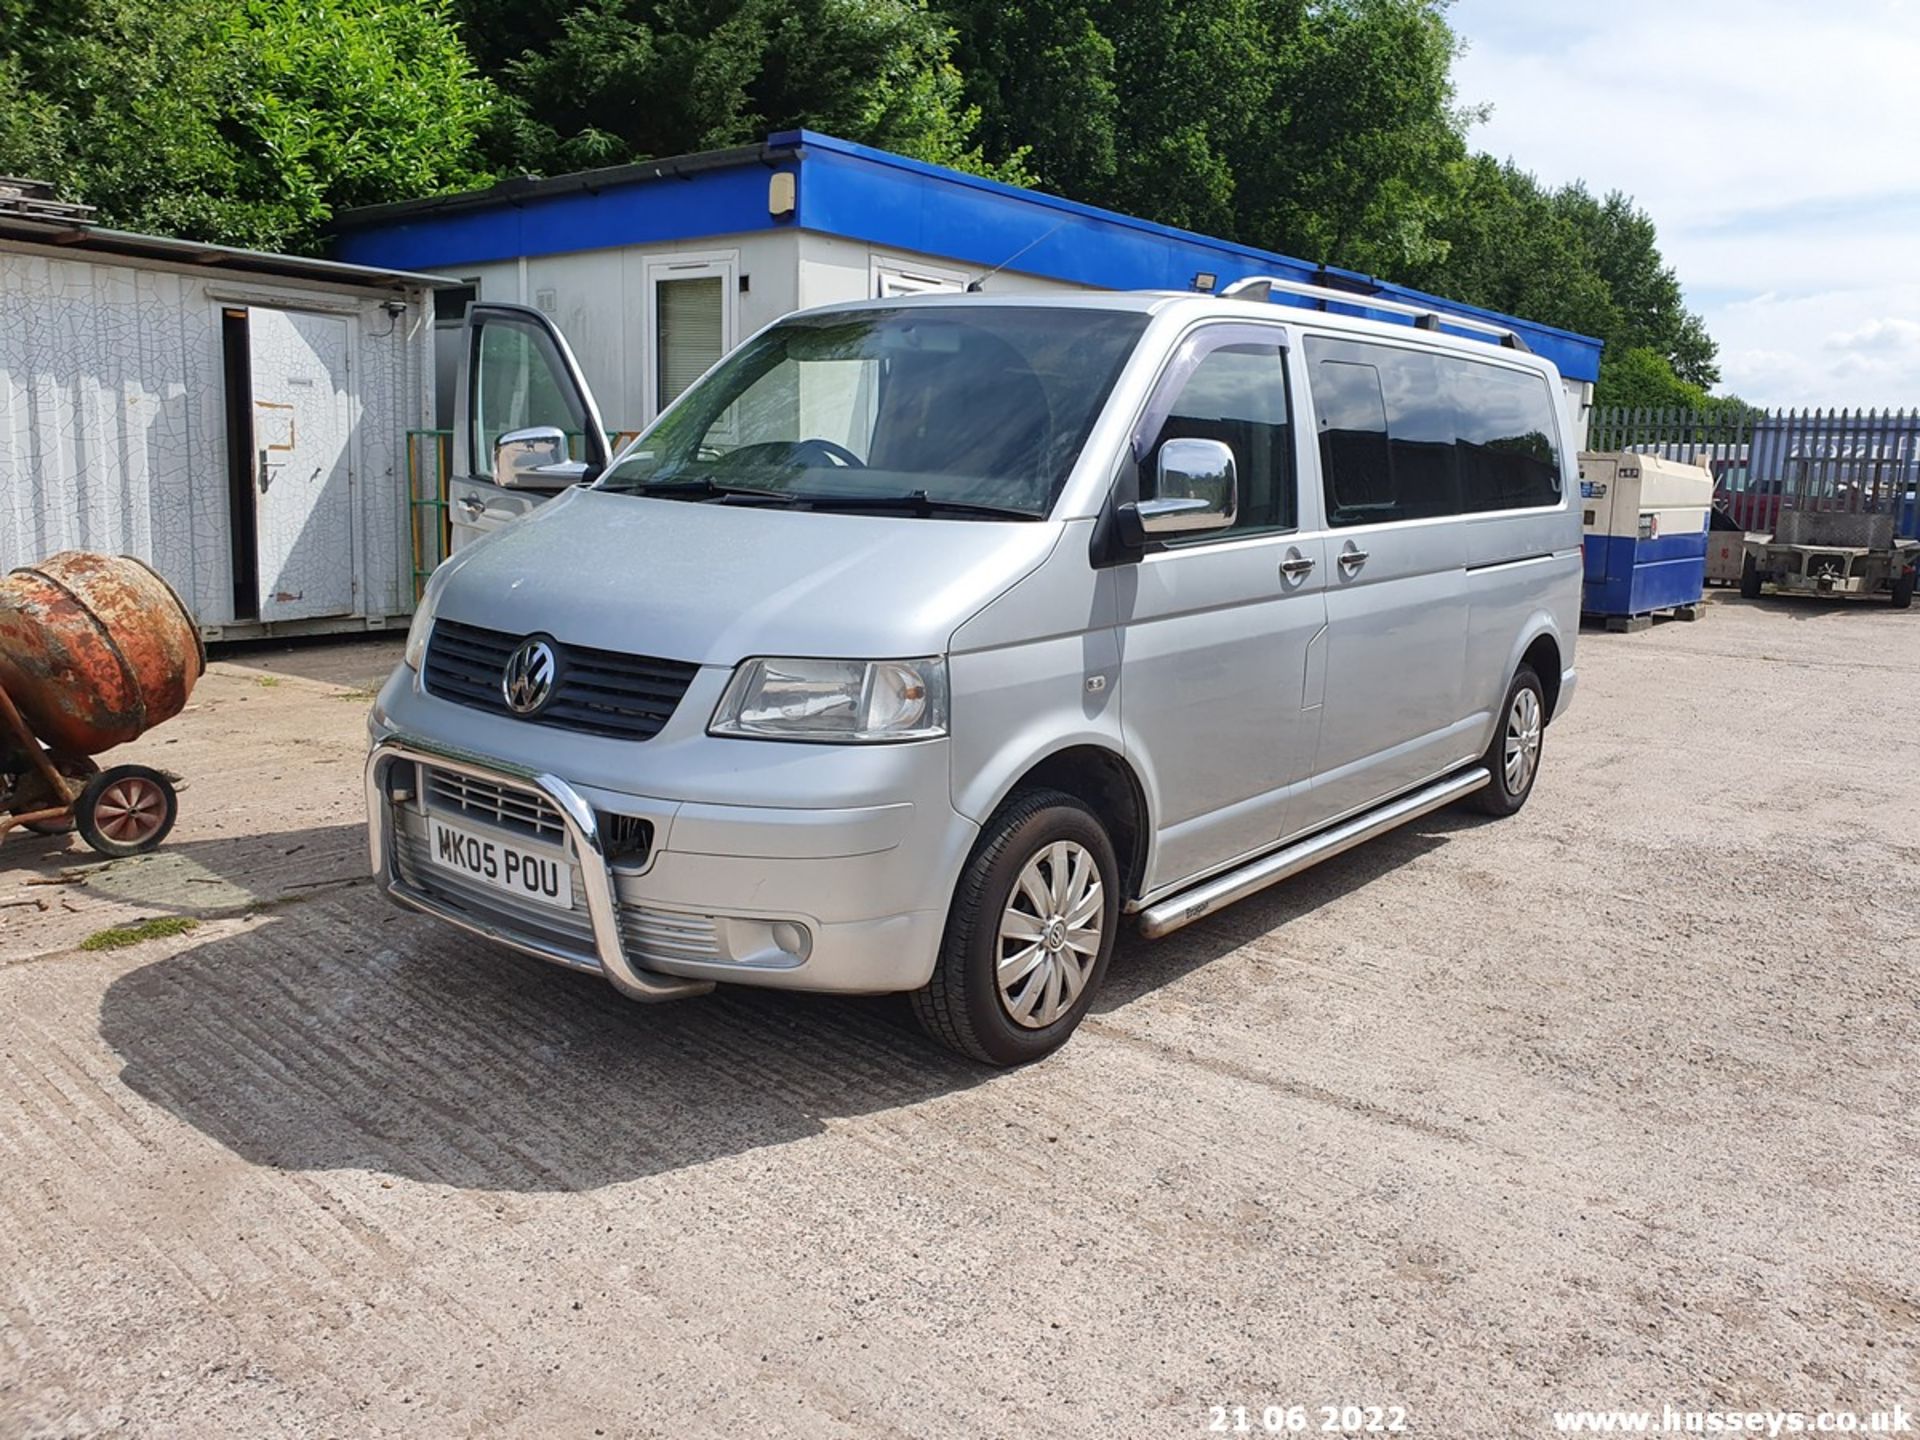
(542,876)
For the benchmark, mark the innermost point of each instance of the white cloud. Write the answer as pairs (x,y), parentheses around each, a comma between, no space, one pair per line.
(1771,141)
(1878,335)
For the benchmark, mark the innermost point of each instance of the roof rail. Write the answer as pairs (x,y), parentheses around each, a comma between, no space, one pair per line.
(1262,287)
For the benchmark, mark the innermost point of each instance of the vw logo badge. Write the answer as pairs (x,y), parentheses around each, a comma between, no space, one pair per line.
(527,684)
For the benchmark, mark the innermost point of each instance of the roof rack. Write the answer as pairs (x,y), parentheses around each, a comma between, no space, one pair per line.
(1262,287)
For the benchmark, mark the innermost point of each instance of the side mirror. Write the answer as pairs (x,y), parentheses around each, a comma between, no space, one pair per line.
(1195,489)
(536,459)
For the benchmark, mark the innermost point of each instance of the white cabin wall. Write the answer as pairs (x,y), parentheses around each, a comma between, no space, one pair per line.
(834,269)
(598,298)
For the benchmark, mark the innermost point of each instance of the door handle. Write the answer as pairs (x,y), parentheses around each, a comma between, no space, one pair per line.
(1295,566)
(473,505)
(1352,559)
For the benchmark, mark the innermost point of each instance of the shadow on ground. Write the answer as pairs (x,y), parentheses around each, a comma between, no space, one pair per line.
(345,1033)
(200,878)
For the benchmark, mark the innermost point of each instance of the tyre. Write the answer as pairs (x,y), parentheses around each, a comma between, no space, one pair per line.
(1749,579)
(1903,592)
(1029,934)
(1514,756)
(127,810)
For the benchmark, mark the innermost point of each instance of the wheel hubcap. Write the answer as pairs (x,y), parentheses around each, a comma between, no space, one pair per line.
(130,811)
(1050,934)
(1523,742)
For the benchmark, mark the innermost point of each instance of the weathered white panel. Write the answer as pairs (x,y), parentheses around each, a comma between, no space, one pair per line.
(112,419)
(98,447)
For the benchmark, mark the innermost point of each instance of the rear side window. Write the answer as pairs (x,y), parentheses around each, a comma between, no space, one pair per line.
(1409,434)
(1508,457)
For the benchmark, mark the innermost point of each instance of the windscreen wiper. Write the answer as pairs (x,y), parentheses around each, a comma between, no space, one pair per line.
(918,501)
(706,487)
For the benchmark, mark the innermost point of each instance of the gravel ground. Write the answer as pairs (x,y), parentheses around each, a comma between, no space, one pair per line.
(1608,1105)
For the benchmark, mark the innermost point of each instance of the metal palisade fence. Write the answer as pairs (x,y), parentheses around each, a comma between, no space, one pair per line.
(1855,461)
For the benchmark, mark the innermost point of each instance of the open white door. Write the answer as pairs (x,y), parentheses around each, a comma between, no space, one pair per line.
(303,408)
(516,373)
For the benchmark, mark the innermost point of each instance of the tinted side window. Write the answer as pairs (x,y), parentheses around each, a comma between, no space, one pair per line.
(1353,439)
(1509,458)
(1237,394)
(1386,432)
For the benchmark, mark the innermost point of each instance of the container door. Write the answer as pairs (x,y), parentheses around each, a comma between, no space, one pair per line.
(303,407)
(516,373)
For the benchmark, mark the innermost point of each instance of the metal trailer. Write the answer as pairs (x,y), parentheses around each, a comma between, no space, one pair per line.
(1838,530)
(1645,523)
(1831,552)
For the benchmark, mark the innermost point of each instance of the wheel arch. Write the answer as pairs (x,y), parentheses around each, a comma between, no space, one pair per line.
(1100,778)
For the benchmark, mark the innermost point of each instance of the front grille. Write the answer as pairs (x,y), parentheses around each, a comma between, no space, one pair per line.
(452,794)
(599,692)
(569,932)
(650,936)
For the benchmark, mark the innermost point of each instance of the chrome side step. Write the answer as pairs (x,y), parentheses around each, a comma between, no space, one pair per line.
(1190,905)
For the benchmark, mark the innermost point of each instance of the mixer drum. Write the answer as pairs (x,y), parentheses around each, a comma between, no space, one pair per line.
(95,649)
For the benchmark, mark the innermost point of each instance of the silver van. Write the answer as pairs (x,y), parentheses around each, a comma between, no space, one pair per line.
(924,642)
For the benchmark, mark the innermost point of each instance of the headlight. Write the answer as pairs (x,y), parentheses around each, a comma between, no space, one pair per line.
(835,701)
(416,652)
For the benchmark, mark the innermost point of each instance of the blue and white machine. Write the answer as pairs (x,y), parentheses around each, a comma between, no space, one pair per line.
(1645,520)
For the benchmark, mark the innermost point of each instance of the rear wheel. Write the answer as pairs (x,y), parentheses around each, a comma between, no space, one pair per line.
(1903,592)
(127,810)
(1029,935)
(1514,756)
(1749,579)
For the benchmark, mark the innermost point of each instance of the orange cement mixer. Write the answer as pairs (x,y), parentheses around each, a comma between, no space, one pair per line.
(95,650)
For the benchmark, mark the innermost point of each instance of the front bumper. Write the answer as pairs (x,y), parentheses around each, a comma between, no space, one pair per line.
(850,899)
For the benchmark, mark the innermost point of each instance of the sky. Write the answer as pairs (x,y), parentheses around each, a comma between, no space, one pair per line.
(1776,145)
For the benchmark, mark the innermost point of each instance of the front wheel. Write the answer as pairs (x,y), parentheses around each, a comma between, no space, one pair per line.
(1029,934)
(1903,592)
(1749,579)
(1514,756)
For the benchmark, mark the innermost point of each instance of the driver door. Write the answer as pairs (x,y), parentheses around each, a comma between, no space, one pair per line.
(516,372)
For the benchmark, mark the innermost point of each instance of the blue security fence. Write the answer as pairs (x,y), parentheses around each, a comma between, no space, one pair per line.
(1764,461)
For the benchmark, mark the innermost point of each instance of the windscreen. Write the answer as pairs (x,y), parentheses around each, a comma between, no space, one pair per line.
(938,409)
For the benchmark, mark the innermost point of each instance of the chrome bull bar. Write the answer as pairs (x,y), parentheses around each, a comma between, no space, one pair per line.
(583,829)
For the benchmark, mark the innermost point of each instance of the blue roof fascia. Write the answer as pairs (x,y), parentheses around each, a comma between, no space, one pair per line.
(890,200)
(672,209)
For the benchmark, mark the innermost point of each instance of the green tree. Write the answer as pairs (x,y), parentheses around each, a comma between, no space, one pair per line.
(1639,376)
(1350,160)
(1044,80)
(620,80)
(1622,247)
(1324,130)
(1566,259)
(243,122)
